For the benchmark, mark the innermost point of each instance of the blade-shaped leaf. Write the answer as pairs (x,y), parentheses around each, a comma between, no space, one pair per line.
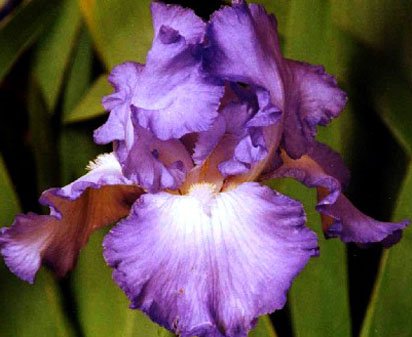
(394,104)
(78,79)
(319,297)
(375,22)
(129,40)
(27,310)
(54,49)
(22,30)
(43,140)
(389,312)
(102,307)
(90,105)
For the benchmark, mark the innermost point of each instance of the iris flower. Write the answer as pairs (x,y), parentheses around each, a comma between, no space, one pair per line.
(200,245)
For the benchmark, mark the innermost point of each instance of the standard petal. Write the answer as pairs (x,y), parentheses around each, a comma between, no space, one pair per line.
(180,19)
(314,98)
(339,217)
(244,47)
(124,78)
(155,164)
(97,199)
(208,264)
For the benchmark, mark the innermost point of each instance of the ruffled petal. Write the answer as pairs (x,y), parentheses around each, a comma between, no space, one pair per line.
(314,98)
(351,225)
(97,199)
(182,20)
(155,164)
(124,78)
(208,264)
(244,47)
(178,97)
(240,128)
(340,218)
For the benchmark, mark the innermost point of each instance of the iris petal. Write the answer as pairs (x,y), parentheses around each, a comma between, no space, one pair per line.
(340,218)
(99,198)
(208,264)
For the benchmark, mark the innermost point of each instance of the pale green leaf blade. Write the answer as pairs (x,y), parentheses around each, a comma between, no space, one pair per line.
(54,50)
(319,298)
(27,310)
(389,312)
(79,76)
(132,36)
(90,105)
(22,30)
(103,308)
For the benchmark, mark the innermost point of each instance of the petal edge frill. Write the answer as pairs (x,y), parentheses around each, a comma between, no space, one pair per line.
(97,199)
(340,218)
(204,264)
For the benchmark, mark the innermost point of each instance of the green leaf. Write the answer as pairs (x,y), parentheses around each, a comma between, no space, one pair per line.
(394,104)
(319,296)
(264,328)
(43,140)
(377,23)
(78,78)
(27,310)
(22,30)
(120,33)
(90,105)
(9,204)
(389,312)
(54,50)
(102,306)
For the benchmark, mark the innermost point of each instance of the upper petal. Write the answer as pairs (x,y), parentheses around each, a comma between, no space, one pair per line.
(313,99)
(208,264)
(156,164)
(124,78)
(180,19)
(244,47)
(99,198)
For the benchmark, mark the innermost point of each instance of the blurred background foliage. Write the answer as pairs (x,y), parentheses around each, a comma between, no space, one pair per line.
(54,60)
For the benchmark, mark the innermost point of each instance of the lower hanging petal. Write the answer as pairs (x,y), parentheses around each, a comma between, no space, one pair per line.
(207,263)
(99,198)
(340,218)
(351,225)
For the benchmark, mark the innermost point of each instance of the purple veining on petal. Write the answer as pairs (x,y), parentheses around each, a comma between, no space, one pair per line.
(99,198)
(347,222)
(212,257)
(156,164)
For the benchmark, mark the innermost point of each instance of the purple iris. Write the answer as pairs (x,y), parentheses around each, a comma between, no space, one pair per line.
(200,245)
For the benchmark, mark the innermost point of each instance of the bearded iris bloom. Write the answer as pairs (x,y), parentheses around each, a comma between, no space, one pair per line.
(200,245)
